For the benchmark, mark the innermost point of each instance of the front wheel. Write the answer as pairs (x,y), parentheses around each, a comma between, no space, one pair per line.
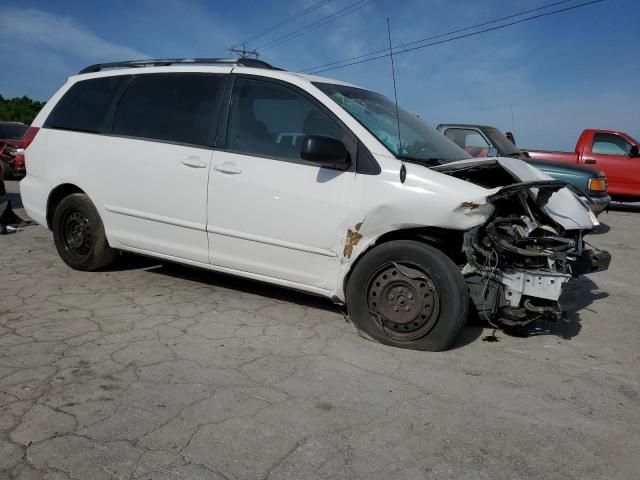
(78,234)
(408,294)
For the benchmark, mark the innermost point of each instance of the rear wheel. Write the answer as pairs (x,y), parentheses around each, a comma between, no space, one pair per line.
(78,234)
(409,295)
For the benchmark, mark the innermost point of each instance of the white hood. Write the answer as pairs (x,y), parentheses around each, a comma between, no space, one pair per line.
(563,206)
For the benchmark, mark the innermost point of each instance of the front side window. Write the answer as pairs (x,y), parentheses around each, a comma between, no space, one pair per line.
(610,144)
(377,114)
(86,104)
(271,120)
(174,107)
(471,141)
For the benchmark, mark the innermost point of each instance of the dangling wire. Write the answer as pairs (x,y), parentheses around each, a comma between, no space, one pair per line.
(486,285)
(403,168)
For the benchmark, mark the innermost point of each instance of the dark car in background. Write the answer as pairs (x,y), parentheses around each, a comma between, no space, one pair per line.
(12,149)
(486,141)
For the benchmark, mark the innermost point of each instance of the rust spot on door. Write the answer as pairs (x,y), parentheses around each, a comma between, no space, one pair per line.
(353,237)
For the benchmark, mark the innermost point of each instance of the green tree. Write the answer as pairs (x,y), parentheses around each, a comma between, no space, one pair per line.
(19,109)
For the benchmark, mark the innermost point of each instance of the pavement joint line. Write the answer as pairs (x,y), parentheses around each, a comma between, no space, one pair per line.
(293,370)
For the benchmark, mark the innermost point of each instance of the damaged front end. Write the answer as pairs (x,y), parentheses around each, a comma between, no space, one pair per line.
(522,266)
(523,263)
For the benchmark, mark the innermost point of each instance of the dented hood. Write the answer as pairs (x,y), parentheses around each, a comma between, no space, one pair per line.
(562,205)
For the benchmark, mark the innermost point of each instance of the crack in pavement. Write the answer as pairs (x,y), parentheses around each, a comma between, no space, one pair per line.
(156,364)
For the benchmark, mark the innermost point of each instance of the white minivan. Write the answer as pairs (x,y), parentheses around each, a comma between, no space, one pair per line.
(305,182)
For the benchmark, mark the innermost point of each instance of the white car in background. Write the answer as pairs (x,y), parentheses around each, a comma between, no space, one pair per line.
(303,182)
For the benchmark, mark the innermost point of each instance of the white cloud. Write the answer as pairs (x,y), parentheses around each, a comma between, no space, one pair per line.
(41,29)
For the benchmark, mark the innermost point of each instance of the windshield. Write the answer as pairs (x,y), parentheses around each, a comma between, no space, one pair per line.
(378,115)
(9,131)
(501,142)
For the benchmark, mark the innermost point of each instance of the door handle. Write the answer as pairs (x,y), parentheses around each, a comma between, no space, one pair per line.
(227,167)
(590,161)
(193,162)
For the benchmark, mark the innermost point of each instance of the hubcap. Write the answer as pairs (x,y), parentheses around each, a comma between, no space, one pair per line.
(404,299)
(77,234)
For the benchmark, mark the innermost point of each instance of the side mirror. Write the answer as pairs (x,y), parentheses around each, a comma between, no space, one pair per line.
(634,152)
(325,151)
(493,152)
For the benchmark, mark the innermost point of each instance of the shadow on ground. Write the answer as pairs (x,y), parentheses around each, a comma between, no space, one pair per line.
(570,327)
(216,279)
(127,261)
(624,207)
(469,334)
(601,229)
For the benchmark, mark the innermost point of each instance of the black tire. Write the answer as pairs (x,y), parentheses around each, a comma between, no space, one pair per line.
(408,294)
(78,234)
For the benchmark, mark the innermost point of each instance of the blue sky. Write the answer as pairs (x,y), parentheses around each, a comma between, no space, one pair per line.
(561,74)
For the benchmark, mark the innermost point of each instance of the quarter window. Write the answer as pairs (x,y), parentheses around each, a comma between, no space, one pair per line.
(175,107)
(85,106)
(610,144)
(472,142)
(272,120)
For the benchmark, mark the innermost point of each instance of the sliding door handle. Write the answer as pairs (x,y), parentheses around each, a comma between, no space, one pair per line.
(193,162)
(228,168)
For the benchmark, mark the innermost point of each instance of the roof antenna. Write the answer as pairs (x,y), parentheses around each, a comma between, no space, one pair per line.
(403,168)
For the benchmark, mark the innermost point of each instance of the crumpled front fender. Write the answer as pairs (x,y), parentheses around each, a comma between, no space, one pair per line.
(451,212)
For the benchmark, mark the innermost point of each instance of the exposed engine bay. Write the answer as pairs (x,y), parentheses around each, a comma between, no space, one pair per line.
(523,263)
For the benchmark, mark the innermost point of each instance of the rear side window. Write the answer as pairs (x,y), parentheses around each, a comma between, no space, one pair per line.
(176,107)
(12,131)
(85,106)
(470,140)
(610,144)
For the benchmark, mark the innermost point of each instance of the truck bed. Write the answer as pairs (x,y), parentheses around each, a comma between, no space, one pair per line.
(553,156)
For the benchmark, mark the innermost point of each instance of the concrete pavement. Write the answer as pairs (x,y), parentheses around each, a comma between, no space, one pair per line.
(158,371)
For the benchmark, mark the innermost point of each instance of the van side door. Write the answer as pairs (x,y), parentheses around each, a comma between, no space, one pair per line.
(271,213)
(155,164)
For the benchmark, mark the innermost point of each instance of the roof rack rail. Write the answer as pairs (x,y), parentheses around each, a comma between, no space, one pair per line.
(163,62)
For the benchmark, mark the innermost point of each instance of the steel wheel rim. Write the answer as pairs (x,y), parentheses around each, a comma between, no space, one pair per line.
(77,234)
(404,300)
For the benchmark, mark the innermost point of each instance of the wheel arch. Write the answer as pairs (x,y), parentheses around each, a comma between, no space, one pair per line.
(448,241)
(56,196)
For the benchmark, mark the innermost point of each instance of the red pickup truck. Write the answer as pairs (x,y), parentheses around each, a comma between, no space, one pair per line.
(615,153)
